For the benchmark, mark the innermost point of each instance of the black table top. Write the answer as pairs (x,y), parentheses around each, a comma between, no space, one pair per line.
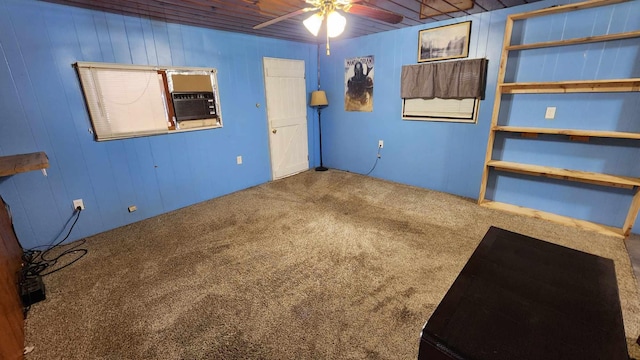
(522,298)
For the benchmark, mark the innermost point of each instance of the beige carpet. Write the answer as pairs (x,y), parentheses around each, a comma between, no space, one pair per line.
(327,265)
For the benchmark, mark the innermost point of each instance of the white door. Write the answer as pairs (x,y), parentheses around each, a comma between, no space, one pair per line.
(286,94)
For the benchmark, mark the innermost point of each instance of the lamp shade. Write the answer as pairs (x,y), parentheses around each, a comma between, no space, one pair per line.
(335,24)
(313,23)
(318,98)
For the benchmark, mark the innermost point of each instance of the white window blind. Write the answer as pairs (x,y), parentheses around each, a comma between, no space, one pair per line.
(124,103)
(436,109)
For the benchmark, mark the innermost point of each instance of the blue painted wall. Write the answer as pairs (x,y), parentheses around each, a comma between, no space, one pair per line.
(42,109)
(449,157)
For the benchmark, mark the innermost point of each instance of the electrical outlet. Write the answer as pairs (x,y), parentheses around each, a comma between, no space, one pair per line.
(380,144)
(132,208)
(550,114)
(78,203)
(239,160)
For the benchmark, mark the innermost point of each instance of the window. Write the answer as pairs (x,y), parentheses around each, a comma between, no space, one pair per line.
(444,91)
(436,109)
(129,101)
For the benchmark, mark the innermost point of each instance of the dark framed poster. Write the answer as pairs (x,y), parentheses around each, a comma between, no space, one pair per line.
(358,84)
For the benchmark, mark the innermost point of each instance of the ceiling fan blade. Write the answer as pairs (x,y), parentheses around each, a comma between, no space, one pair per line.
(283,17)
(375,13)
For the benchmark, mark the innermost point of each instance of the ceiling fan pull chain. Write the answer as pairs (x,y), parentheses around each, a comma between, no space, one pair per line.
(328,52)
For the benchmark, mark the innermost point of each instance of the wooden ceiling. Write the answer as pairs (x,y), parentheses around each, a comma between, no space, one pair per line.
(242,15)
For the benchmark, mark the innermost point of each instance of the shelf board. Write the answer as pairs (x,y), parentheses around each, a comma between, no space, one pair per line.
(564,8)
(576,41)
(14,164)
(560,219)
(564,174)
(580,86)
(571,132)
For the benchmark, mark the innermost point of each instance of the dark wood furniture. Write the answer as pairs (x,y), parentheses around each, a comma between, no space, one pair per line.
(11,316)
(11,313)
(522,298)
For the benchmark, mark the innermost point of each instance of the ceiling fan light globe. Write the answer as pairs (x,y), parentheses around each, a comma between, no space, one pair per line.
(313,23)
(335,24)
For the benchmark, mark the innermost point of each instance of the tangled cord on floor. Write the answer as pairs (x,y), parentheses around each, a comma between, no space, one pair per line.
(39,263)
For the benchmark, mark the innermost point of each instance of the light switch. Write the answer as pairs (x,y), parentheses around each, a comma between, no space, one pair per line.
(551,113)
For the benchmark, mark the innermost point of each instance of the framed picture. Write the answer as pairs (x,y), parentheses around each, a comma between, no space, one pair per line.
(444,42)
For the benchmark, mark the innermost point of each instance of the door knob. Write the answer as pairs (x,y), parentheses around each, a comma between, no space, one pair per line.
(274,131)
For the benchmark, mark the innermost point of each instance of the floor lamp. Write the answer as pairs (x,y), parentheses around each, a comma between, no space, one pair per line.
(319,101)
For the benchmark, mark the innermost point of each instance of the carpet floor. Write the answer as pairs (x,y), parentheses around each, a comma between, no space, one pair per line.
(329,265)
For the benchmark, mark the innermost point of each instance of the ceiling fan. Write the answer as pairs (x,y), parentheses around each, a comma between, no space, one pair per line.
(329,10)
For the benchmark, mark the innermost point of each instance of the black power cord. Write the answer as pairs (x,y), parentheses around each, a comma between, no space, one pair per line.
(375,163)
(37,263)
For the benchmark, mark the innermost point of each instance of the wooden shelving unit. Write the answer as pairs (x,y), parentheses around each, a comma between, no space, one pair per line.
(566,174)
(569,132)
(560,87)
(564,8)
(614,85)
(584,40)
(565,220)
(14,164)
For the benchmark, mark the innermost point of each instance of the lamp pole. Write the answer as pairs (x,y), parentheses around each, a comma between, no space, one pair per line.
(321,167)
(319,101)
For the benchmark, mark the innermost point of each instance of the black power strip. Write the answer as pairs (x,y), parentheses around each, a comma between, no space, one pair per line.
(32,290)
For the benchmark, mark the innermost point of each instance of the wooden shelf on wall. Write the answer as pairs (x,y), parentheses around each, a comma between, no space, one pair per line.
(564,220)
(576,41)
(560,87)
(564,8)
(14,164)
(580,86)
(569,132)
(566,174)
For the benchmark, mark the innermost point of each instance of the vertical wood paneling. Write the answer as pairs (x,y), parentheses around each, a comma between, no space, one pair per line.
(161,45)
(78,182)
(119,161)
(199,162)
(144,179)
(181,173)
(45,215)
(104,36)
(44,57)
(43,110)
(137,45)
(85,30)
(150,47)
(10,100)
(18,211)
(118,39)
(94,47)
(163,168)
(175,44)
